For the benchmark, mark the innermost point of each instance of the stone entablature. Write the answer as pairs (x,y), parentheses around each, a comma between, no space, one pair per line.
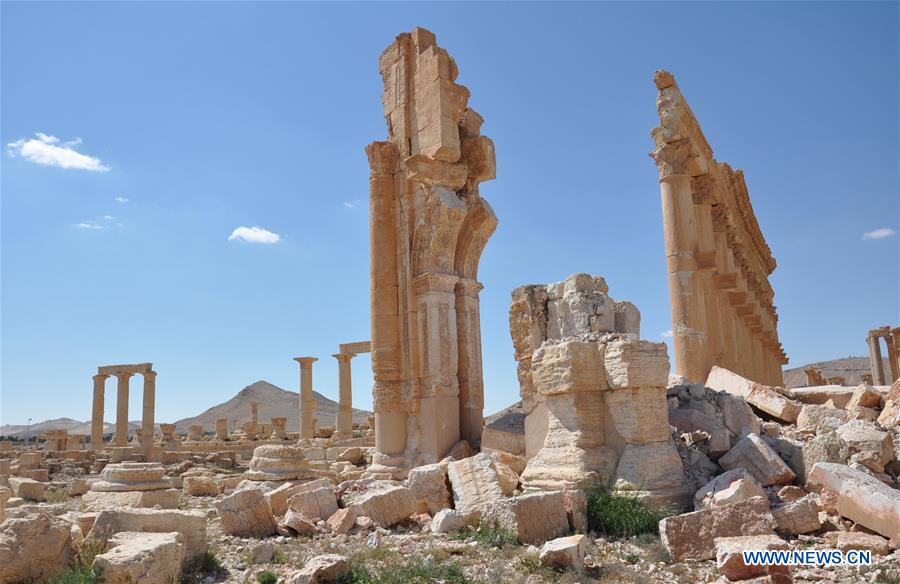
(716,256)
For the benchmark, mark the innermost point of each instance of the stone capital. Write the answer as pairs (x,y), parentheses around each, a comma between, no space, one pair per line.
(702,188)
(149,376)
(432,282)
(470,288)
(124,376)
(672,158)
(100,377)
(306,362)
(344,357)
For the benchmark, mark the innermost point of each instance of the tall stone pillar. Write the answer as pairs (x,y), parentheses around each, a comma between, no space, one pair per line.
(680,232)
(254,413)
(895,335)
(222,429)
(307,401)
(875,358)
(701,191)
(471,374)
(149,413)
(121,438)
(344,423)
(97,412)
(892,355)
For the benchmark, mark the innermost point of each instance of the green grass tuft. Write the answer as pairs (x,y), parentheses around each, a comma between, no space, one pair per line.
(619,513)
(413,572)
(205,565)
(490,535)
(267,577)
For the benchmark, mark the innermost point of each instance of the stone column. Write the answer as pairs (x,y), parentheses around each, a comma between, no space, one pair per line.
(895,335)
(97,412)
(307,401)
(254,412)
(875,358)
(680,232)
(892,355)
(121,438)
(222,429)
(471,375)
(278,425)
(149,411)
(344,423)
(701,191)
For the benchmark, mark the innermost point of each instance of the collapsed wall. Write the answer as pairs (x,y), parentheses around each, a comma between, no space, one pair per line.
(593,393)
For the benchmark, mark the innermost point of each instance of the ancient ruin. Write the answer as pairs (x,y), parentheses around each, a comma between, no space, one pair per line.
(307,402)
(428,227)
(891,338)
(344,422)
(716,256)
(123,373)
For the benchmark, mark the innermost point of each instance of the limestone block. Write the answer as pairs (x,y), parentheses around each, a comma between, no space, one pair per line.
(475,482)
(34,547)
(428,487)
(94,501)
(298,523)
(692,535)
(839,396)
(30,460)
(576,510)
(760,396)
(691,420)
(132,476)
(513,461)
(753,454)
(639,414)
(321,570)
(628,318)
(151,558)
(278,497)
(509,480)
(262,553)
(28,489)
(5,494)
(730,561)
(38,474)
(460,450)
(568,367)
(862,436)
(812,416)
(633,363)
(202,486)
(803,457)
(385,502)
(535,517)
(650,467)
(729,487)
(738,416)
(342,520)
(564,552)
(246,514)
(860,497)
(274,462)
(890,413)
(190,524)
(505,434)
(315,500)
(864,396)
(579,305)
(451,520)
(797,517)
(857,540)
(78,487)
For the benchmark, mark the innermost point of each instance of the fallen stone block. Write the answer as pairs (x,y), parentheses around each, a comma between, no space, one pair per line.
(535,517)
(505,434)
(690,420)
(863,436)
(202,486)
(96,501)
(738,416)
(857,540)
(149,558)
(576,510)
(78,487)
(190,524)
(759,396)
(860,497)
(474,482)
(729,487)
(451,520)
(838,395)
(342,521)
(298,523)
(797,517)
(864,396)
(28,489)
(730,560)
(753,454)
(385,502)
(692,536)
(315,500)
(564,552)
(34,547)
(321,570)
(246,514)
(428,487)
(813,416)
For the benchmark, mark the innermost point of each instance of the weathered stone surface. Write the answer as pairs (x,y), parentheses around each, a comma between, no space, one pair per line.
(630,363)
(151,558)
(692,535)
(760,396)
(838,395)
(34,547)
(201,486)
(564,552)
(132,476)
(275,462)
(385,502)
(857,540)
(813,416)
(451,520)
(321,569)
(535,517)
(890,413)
(297,522)
(315,500)
(428,487)
(797,517)
(801,457)
(692,420)
(506,434)
(864,437)
(860,497)
(730,561)
(278,497)
(738,416)
(190,524)
(475,483)
(28,489)
(753,454)
(342,520)
(246,514)
(94,501)
(729,487)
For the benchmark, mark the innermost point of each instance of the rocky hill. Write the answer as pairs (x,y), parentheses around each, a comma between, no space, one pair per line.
(273,402)
(850,368)
(73,427)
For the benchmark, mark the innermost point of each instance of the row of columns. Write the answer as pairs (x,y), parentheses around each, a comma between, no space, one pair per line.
(121,432)
(344,421)
(891,338)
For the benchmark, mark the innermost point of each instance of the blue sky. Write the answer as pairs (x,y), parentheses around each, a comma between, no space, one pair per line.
(197,119)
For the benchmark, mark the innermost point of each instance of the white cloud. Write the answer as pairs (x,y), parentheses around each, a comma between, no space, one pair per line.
(352,204)
(880,233)
(254,235)
(666,334)
(49,151)
(109,217)
(90,225)
(122,200)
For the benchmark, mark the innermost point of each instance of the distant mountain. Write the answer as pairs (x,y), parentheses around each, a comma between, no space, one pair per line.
(73,427)
(850,368)
(273,402)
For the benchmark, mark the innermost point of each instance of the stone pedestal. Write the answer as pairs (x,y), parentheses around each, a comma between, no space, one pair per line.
(272,462)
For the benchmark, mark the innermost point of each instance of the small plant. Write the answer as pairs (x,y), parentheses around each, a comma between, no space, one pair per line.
(205,565)
(530,563)
(619,513)
(267,577)
(490,535)
(81,572)
(888,575)
(56,496)
(656,551)
(416,571)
